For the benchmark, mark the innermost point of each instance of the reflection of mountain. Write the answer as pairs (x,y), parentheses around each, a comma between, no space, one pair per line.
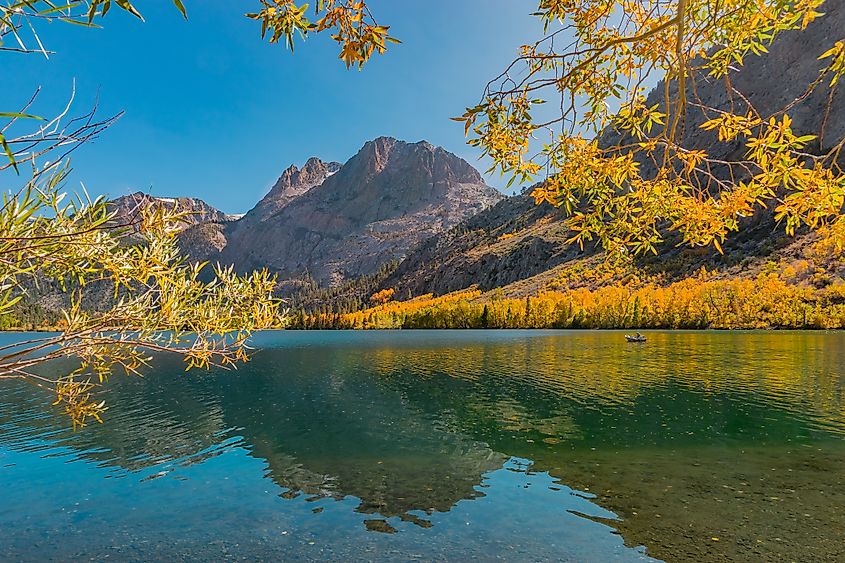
(415,420)
(325,430)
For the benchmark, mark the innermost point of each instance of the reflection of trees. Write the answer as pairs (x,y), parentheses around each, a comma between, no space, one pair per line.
(646,429)
(589,385)
(407,423)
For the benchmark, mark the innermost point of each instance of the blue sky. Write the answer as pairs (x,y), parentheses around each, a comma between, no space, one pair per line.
(214,112)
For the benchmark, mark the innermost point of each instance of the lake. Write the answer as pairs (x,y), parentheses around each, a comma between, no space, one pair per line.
(446,445)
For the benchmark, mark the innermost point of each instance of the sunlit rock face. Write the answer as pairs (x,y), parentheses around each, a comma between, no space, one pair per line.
(335,223)
(292,184)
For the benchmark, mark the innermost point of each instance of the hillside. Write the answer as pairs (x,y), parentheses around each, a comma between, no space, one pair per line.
(770,82)
(510,241)
(516,240)
(519,249)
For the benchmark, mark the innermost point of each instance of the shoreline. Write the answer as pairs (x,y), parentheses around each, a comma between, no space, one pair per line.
(496,329)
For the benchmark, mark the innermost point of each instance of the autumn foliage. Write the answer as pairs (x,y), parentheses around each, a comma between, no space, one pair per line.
(382,297)
(767,301)
(617,162)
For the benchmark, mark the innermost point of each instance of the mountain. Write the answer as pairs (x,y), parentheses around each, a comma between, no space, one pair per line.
(333,223)
(291,184)
(520,246)
(196,210)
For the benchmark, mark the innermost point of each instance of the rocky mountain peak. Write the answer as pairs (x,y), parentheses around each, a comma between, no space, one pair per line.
(389,155)
(375,154)
(340,222)
(293,183)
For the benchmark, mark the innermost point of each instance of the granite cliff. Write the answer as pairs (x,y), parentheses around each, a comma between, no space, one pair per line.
(334,223)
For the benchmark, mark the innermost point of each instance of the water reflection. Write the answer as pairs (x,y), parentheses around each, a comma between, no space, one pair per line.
(404,429)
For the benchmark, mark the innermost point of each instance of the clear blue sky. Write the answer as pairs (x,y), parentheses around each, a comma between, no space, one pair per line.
(214,112)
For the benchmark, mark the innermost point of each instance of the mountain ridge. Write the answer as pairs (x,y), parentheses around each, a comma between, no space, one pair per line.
(196,210)
(334,222)
(404,210)
(514,241)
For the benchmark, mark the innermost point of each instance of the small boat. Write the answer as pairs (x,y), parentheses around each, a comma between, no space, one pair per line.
(635,337)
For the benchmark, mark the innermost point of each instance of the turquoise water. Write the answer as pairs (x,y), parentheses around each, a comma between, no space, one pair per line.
(514,445)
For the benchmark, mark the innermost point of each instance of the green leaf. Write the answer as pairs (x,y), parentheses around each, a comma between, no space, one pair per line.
(79,22)
(19,116)
(181,8)
(57,9)
(127,5)
(9,153)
